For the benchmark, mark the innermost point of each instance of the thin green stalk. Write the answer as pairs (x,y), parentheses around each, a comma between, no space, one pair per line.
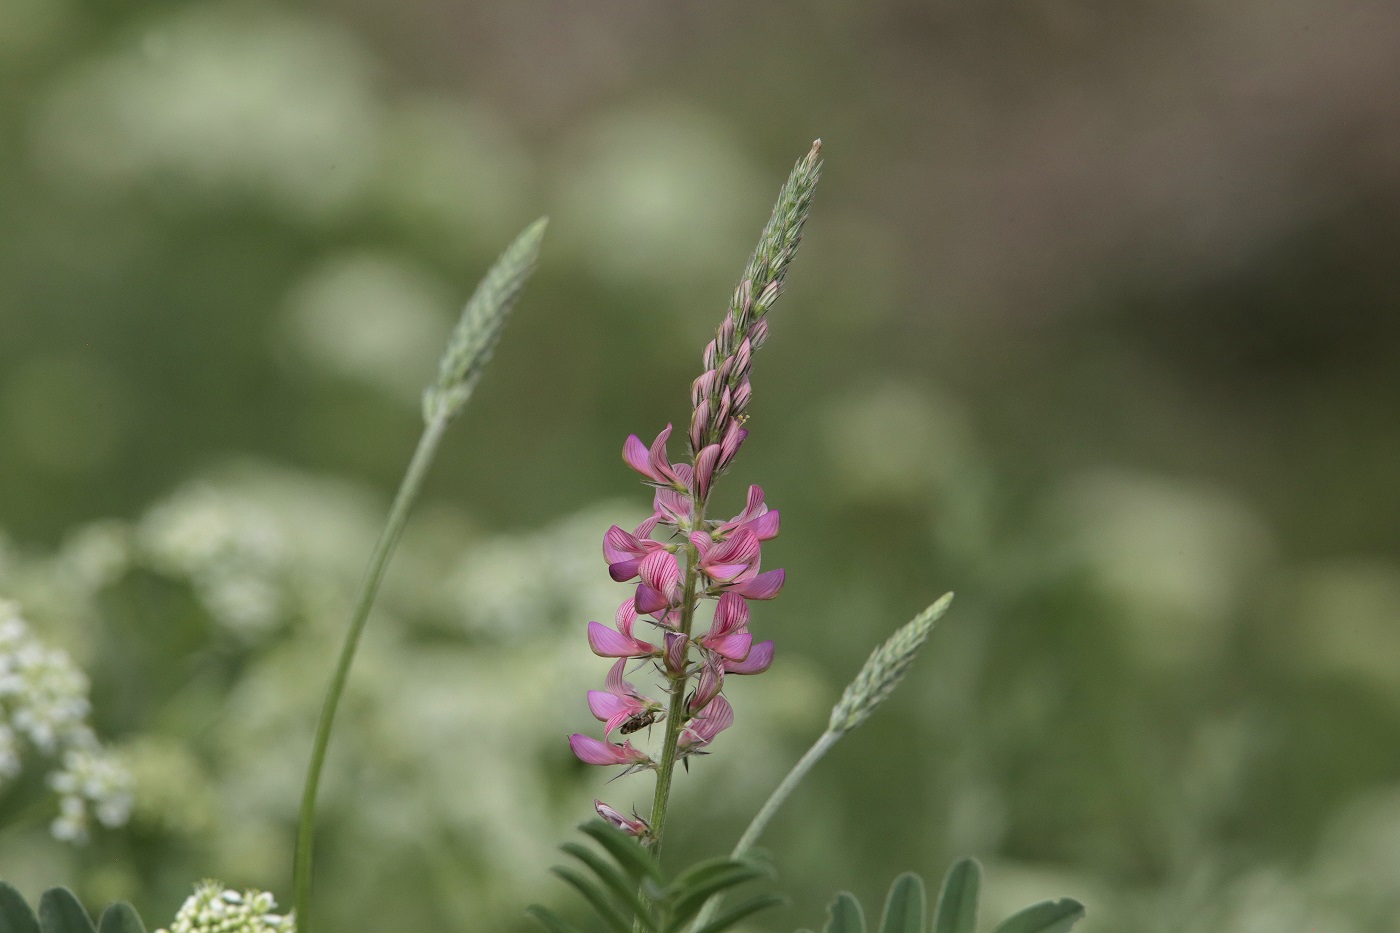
(369,589)
(675,713)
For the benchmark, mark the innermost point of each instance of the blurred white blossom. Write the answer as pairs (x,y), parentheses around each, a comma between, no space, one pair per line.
(44,704)
(212,908)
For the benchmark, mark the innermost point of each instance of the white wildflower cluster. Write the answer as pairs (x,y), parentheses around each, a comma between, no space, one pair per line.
(232,552)
(212,908)
(44,704)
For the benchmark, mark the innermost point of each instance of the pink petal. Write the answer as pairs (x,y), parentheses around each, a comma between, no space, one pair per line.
(676,652)
(675,507)
(594,752)
(741,548)
(729,444)
(707,687)
(660,571)
(625,616)
(635,453)
(650,600)
(699,423)
(624,570)
(759,660)
(705,463)
(660,464)
(609,644)
(731,613)
(635,826)
(765,527)
(724,573)
(614,681)
(619,545)
(734,647)
(763,586)
(605,706)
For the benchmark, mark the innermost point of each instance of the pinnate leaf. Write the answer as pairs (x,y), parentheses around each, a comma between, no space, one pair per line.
(61,912)
(844,915)
(1045,917)
(15,914)
(957,901)
(905,906)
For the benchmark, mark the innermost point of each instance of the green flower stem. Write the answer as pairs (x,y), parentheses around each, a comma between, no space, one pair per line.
(369,589)
(675,713)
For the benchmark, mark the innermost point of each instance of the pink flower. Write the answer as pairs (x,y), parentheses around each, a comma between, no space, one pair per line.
(707,688)
(676,653)
(621,704)
(733,560)
(661,582)
(756,517)
(717,716)
(607,643)
(763,586)
(624,550)
(759,659)
(728,636)
(595,752)
(636,826)
(652,463)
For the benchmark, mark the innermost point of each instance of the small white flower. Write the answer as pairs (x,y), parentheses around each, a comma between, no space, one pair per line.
(212,908)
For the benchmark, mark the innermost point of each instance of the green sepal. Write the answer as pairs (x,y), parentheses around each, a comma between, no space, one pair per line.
(1045,917)
(550,920)
(632,858)
(733,916)
(15,913)
(957,901)
(905,905)
(120,918)
(618,883)
(602,904)
(845,915)
(61,912)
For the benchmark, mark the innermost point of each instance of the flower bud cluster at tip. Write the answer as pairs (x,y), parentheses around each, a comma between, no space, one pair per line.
(480,326)
(44,707)
(884,669)
(212,908)
(720,396)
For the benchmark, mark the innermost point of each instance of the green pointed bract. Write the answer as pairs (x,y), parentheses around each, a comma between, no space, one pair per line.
(957,901)
(1045,917)
(120,918)
(844,915)
(480,326)
(905,906)
(15,914)
(61,912)
(885,669)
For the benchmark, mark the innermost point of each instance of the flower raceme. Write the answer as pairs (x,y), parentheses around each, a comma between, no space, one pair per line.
(678,559)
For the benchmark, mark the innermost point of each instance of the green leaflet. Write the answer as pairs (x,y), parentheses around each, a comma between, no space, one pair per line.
(120,918)
(625,889)
(845,915)
(15,915)
(905,905)
(1045,917)
(60,912)
(956,911)
(957,901)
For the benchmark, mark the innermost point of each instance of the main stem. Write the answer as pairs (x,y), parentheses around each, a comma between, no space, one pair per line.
(369,589)
(675,713)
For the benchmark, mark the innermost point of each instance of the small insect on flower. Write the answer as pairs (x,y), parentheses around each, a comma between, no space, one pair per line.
(641,720)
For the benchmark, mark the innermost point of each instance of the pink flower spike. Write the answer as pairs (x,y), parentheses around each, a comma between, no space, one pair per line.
(636,826)
(764,586)
(609,644)
(759,660)
(595,752)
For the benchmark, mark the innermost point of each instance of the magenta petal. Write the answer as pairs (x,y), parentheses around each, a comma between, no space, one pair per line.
(759,660)
(724,573)
(636,455)
(660,571)
(743,547)
(605,706)
(609,644)
(650,600)
(595,752)
(765,526)
(676,652)
(733,647)
(763,586)
(731,613)
(705,463)
(624,570)
(615,683)
(636,826)
(619,545)
(656,457)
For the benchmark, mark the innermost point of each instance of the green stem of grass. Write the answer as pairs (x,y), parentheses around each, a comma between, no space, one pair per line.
(369,589)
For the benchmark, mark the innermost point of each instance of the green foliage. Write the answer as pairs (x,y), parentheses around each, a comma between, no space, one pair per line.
(61,912)
(628,892)
(956,911)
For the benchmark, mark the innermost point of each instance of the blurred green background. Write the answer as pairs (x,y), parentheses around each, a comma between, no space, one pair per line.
(1095,324)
